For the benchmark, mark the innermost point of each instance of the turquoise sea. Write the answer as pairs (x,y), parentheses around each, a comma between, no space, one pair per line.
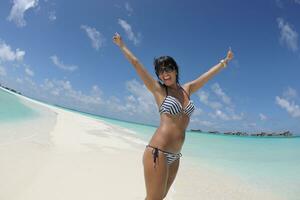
(272,163)
(12,109)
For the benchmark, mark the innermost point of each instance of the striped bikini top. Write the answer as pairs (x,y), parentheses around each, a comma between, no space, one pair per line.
(172,106)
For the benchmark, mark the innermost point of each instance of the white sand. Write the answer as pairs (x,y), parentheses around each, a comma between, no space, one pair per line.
(84,159)
(87,159)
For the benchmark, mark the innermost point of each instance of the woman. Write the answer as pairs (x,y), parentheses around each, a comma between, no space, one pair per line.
(162,155)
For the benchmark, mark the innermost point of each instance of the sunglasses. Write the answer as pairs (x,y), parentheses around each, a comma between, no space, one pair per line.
(167,69)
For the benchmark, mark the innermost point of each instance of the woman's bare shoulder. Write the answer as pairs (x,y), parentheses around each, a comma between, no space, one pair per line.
(160,89)
(186,87)
(159,93)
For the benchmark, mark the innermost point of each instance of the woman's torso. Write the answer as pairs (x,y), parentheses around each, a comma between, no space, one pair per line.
(170,134)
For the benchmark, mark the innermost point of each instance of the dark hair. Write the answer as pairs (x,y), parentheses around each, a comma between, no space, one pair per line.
(164,61)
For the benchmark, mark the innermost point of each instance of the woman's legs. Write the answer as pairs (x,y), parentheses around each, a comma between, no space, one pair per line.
(156,178)
(173,168)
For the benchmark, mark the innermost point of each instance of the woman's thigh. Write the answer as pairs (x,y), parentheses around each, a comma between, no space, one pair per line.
(173,168)
(156,177)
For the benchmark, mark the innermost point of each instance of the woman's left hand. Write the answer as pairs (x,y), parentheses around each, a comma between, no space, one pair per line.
(229,56)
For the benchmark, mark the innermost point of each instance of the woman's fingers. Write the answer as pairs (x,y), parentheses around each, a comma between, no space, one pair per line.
(229,54)
(117,39)
(117,36)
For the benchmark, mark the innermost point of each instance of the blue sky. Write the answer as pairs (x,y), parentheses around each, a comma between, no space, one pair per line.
(62,52)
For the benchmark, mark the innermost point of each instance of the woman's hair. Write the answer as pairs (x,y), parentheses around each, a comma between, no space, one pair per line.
(164,61)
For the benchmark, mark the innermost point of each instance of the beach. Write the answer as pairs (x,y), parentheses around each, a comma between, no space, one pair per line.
(87,87)
(83,159)
(72,156)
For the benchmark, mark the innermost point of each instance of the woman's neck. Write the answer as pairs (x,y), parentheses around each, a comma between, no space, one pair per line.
(174,86)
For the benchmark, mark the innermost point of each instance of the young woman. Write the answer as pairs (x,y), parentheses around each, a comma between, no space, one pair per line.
(161,156)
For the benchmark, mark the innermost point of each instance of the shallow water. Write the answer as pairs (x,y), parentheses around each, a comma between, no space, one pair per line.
(12,109)
(21,121)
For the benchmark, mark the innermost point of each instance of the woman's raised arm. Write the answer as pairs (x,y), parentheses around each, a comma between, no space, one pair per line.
(148,80)
(196,84)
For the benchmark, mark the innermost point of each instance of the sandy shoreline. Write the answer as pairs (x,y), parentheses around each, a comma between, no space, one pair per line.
(85,158)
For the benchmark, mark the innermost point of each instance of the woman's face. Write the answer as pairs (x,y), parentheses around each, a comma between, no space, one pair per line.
(168,75)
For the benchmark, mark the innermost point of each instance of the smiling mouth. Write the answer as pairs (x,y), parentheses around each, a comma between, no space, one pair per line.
(167,78)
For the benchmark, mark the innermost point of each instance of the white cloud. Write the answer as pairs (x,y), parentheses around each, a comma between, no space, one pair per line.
(128,8)
(61,91)
(251,125)
(19,80)
(292,108)
(217,106)
(52,16)
(220,114)
(197,112)
(139,105)
(96,91)
(18,9)
(141,99)
(279,3)
(96,37)
(236,116)
(219,92)
(202,123)
(7,54)
(31,82)
(2,71)
(203,97)
(262,117)
(128,30)
(290,93)
(288,36)
(29,72)
(61,65)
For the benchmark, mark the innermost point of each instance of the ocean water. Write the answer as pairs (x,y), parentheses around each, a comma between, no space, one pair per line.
(271,163)
(12,109)
(21,122)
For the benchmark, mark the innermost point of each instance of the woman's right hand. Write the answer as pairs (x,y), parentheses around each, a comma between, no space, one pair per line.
(118,40)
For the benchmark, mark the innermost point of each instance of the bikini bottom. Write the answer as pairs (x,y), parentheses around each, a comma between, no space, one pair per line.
(171,157)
